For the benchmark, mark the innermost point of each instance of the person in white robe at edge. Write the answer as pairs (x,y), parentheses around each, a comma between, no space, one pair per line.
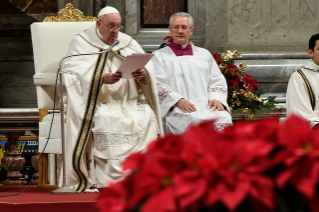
(302,97)
(108,117)
(191,86)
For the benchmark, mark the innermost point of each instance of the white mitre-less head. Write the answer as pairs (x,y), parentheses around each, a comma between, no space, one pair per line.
(107,10)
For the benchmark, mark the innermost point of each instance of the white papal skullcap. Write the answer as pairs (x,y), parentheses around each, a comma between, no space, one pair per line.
(107,10)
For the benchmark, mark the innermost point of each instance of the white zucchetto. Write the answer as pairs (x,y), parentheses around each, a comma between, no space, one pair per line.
(107,10)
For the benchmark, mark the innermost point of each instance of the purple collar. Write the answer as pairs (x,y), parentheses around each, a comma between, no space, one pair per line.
(177,49)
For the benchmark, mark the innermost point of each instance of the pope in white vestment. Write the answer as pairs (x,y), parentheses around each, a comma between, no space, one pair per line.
(106,122)
(187,72)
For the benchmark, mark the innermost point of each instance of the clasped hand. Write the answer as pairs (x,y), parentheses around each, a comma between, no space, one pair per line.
(111,78)
(186,106)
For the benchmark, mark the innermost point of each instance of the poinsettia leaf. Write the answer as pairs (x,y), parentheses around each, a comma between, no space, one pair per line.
(263,191)
(306,179)
(231,198)
(282,178)
(163,201)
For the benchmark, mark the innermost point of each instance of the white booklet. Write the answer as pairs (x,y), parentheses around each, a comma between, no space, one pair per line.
(133,63)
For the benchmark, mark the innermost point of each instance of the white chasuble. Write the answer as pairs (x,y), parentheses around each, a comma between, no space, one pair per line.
(297,98)
(195,78)
(104,126)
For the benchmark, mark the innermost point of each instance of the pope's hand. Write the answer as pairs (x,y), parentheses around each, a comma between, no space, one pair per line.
(186,106)
(217,105)
(139,74)
(111,78)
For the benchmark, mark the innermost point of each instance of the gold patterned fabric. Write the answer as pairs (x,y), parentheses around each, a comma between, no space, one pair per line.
(310,92)
(88,121)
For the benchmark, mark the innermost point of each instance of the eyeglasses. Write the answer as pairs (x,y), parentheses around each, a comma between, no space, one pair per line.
(113,27)
(176,28)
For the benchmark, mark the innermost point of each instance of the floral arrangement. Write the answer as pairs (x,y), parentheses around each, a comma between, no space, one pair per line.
(261,165)
(243,92)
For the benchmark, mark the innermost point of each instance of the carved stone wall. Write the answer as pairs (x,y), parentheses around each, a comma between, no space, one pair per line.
(269,25)
(272,35)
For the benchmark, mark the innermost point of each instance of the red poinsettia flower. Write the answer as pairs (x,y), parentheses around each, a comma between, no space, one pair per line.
(263,131)
(240,170)
(232,80)
(217,58)
(170,39)
(313,203)
(113,198)
(241,174)
(299,155)
(173,173)
(250,83)
(231,69)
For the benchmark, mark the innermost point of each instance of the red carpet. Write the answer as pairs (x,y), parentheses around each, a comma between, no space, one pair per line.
(32,200)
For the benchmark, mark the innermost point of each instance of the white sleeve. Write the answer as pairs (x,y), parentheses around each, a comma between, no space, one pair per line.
(166,95)
(297,100)
(217,85)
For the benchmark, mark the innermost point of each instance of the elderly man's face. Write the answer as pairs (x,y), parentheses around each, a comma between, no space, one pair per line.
(315,53)
(109,20)
(181,30)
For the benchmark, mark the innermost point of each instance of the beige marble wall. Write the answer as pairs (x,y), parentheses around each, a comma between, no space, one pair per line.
(267,25)
(272,36)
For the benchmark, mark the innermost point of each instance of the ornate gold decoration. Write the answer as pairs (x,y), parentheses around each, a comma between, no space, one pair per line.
(69,14)
(234,101)
(230,54)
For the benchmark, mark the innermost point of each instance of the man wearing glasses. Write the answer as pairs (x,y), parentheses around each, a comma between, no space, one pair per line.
(108,117)
(191,87)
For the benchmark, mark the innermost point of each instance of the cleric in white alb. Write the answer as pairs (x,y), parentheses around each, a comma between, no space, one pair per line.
(190,84)
(303,87)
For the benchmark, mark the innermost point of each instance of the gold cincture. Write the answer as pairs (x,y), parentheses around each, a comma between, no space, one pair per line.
(69,14)
(314,70)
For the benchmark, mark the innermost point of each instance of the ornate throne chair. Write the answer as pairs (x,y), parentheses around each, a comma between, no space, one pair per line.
(50,40)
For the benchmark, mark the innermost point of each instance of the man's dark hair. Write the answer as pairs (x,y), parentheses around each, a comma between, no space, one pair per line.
(312,41)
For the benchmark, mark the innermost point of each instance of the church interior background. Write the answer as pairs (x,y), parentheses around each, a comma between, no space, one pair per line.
(271,35)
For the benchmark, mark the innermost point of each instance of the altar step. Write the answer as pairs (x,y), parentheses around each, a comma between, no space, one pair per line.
(43,201)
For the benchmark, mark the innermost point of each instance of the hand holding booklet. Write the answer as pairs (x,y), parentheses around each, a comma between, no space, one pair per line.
(133,63)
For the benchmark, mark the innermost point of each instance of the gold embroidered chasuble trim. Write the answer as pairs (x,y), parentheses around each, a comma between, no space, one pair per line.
(310,91)
(87,123)
(116,53)
(313,70)
(150,89)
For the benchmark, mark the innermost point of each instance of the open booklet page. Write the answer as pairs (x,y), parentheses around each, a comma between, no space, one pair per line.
(134,62)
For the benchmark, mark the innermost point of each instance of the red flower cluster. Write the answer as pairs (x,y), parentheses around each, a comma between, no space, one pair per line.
(169,40)
(233,75)
(203,169)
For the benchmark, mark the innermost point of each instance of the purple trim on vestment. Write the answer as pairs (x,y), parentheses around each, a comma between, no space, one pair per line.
(177,49)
